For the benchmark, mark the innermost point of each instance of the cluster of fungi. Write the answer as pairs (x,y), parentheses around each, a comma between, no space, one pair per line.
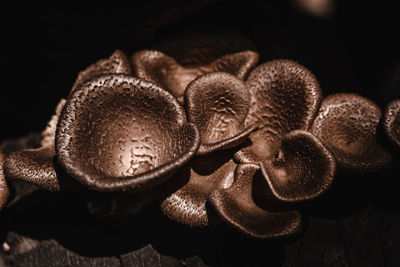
(198,125)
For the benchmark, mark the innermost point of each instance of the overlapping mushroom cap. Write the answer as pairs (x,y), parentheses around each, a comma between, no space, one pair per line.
(261,143)
(183,60)
(279,97)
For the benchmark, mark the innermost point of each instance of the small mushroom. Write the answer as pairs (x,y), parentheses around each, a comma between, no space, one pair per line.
(303,169)
(117,63)
(204,174)
(164,71)
(4,191)
(284,96)
(118,132)
(36,165)
(391,122)
(218,103)
(347,125)
(238,207)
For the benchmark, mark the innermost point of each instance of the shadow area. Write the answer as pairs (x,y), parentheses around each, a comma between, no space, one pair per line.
(64,217)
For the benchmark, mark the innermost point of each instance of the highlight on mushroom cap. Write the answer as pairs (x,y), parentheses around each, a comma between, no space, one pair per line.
(347,125)
(284,96)
(119,132)
(218,104)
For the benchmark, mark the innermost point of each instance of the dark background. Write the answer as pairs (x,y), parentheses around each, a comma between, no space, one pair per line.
(354,50)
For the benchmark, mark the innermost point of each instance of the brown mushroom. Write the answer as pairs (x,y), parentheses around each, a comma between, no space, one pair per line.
(284,96)
(303,169)
(347,125)
(36,165)
(163,70)
(118,132)
(237,206)
(187,203)
(117,63)
(4,191)
(218,103)
(391,122)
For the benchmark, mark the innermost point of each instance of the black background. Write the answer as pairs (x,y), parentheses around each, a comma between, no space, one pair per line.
(355,50)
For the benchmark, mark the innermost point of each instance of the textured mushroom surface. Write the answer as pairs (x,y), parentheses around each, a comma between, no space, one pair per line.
(204,174)
(163,70)
(118,132)
(218,103)
(237,205)
(347,125)
(117,63)
(391,122)
(284,96)
(4,191)
(303,169)
(36,165)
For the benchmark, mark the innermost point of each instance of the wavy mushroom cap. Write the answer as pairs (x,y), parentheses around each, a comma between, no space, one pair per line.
(347,125)
(238,207)
(218,103)
(36,165)
(163,70)
(119,132)
(284,96)
(117,63)
(391,122)
(196,181)
(4,191)
(303,169)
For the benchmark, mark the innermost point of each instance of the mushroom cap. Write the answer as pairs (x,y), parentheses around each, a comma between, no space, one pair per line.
(218,103)
(166,72)
(303,170)
(347,125)
(391,122)
(284,96)
(237,206)
(118,132)
(117,63)
(187,202)
(4,191)
(37,165)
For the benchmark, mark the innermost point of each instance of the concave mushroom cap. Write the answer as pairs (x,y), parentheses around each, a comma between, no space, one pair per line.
(237,206)
(117,63)
(163,70)
(4,191)
(36,165)
(284,96)
(347,125)
(303,169)
(218,103)
(193,184)
(119,132)
(391,122)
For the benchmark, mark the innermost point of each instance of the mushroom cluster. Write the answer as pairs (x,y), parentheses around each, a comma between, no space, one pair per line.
(197,124)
